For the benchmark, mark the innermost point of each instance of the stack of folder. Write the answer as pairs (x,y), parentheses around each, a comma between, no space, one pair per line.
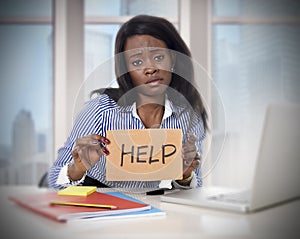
(82,202)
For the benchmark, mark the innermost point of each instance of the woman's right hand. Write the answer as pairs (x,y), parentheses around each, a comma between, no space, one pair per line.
(86,154)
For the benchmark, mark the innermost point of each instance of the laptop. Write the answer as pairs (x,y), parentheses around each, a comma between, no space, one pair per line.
(277,172)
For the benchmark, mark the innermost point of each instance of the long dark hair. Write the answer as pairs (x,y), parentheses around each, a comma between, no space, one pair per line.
(161,29)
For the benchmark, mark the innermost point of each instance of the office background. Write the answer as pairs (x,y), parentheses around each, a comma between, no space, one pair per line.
(49,49)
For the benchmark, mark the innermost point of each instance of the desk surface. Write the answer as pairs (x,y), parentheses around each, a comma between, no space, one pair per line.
(180,222)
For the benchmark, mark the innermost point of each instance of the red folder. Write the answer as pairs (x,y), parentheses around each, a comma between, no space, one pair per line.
(41,204)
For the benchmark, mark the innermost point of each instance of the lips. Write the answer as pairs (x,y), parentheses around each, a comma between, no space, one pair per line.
(154,81)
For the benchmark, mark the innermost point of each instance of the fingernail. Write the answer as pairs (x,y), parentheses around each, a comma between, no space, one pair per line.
(105,151)
(95,142)
(106,140)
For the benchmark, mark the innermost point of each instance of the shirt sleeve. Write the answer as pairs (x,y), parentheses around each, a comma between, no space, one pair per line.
(63,179)
(193,183)
(87,122)
(199,131)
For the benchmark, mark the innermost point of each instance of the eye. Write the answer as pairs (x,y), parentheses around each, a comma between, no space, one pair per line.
(159,57)
(137,62)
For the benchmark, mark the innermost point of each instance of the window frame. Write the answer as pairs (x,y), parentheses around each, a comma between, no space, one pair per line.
(30,20)
(225,176)
(68,23)
(69,64)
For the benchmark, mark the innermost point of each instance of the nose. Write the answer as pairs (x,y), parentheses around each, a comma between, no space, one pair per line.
(150,70)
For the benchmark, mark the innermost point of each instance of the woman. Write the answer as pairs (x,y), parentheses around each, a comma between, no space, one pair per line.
(152,92)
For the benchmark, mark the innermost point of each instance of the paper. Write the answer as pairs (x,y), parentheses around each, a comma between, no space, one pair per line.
(144,155)
(40,203)
(77,191)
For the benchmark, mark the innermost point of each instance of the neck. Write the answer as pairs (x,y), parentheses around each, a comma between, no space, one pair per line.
(150,101)
(151,113)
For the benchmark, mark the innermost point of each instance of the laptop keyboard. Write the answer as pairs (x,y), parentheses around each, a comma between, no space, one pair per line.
(236,197)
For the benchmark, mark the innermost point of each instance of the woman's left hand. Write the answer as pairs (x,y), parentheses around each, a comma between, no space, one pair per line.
(190,157)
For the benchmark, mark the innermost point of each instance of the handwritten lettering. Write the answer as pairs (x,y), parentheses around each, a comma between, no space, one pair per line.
(144,154)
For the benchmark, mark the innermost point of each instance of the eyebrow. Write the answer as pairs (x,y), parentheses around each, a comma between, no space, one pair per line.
(151,50)
(135,54)
(157,50)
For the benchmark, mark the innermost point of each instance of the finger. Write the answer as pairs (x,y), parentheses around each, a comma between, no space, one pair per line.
(188,159)
(90,155)
(75,153)
(194,165)
(188,149)
(100,148)
(105,151)
(198,157)
(100,138)
(192,138)
(92,139)
(189,155)
(87,149)
(77,159)
(190,144)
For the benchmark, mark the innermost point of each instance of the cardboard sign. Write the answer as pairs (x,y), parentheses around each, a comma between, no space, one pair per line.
(144,155)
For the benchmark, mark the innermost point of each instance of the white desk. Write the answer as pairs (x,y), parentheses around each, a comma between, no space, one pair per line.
(180,222)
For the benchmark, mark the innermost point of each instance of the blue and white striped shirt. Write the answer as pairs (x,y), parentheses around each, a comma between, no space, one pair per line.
(103,113)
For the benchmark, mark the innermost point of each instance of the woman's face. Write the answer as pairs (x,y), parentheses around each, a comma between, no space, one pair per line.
(149,64)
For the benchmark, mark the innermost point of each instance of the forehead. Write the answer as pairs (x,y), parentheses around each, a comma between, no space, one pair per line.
(141,41)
